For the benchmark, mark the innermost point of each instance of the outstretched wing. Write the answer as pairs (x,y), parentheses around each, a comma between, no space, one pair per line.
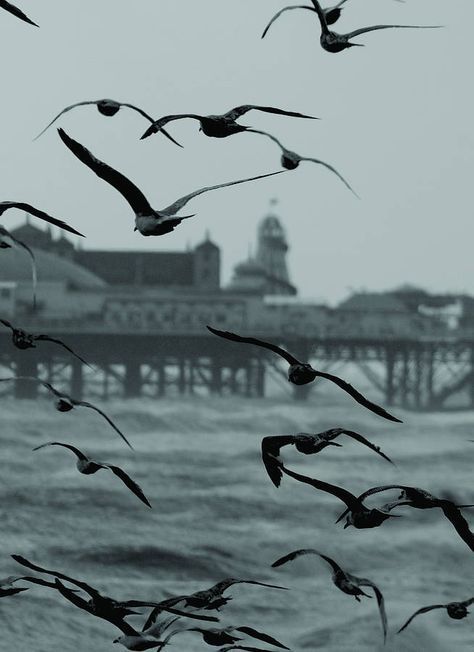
(233,114)
(380,601)
(7,324)
(28,208)
(82,585)
(223,585)
(172,209)
(373,28)
(332,169)
(128,482)
(16,12)
(423,610)
(129,191)
(270,455)
(109,421)
(454,515)
(157,125)
(366,442)
(150,119)
(279,13)
(79,454)
(345,496)
(47,338)
(261,636)
(373,407)
(376,490)
(294,555)
(233,337)
(68,108)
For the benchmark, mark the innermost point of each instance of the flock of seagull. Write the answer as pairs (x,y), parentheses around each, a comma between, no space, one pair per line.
(157,629)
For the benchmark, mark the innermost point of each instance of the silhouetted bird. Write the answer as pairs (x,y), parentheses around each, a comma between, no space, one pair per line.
(7,588)
(308,444)
(344,581)
(8,241)
(215,636)
(301,373)
(6,205)
(223,125)
(88,466)
(421,499)
(7,6)
(23,340)
(334,42)
(291,160)
(147,220)
(455,610)
(109,108)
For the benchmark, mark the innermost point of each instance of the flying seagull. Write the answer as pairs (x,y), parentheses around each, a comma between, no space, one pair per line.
(455,610)
(7,588)
(212,598)
(334,42)
(23,340)
(8,241)
(223,125)
(16,12)
(28,208)
(88,466)
(308,444)
(291,160)
(421,499)
(301,373)
(147,220)
(223,636)
(344,581)
(359,516)
(109,108)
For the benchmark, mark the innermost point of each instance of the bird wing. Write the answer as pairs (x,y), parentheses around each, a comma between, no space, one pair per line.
(304,551)
(150,119)
(16,12)
(270,450)
(279,13)
(68,108)
(322,16)
(128,482)
(129,191)
(261,636)
(79,454)
(171,610)
(423,610)
(28,208)
(454,515)
(358,396)
(52,389)
(375,490)
(241,647)
(372,28)
(233,337)
(7,324)
(332,169)
(96,409)
(223,585)
(239,111)
(157,125)
(366,442)
(362,581)
(345,496)
(172,209)
(82,585)
(47,338)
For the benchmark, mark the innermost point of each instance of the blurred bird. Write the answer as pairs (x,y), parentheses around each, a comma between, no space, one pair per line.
(308,444)
(223,125)
(23,340)
(88,466)
(360,516)
(7,588)
(147,220)
(16,12)
(344,581)
(291,160)
(334,42)
(421,499)
(8,241)
(301,373)
(455,610)
(31,210)
(109,108)
(215,636)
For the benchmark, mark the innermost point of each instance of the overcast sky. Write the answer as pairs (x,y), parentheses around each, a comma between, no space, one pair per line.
(396,120)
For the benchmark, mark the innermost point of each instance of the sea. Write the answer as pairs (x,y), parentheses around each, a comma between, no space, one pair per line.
(215,514)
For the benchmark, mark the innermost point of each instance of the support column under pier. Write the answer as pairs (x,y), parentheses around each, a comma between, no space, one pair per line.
(133,379)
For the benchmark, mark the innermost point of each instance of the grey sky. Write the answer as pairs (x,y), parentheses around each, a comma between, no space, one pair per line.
(396,121)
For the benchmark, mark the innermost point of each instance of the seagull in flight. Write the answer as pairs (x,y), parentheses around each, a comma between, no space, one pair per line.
(8,241)
(334,42)
(16,12)
(223,125)
(421,499)
(455,610)
(88,466)
(344,581)
(7,588)
(291,160)
(23,340)
(28,208)
(148,221)
(308,444)
(223,636)
(109,108)
(301,373)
